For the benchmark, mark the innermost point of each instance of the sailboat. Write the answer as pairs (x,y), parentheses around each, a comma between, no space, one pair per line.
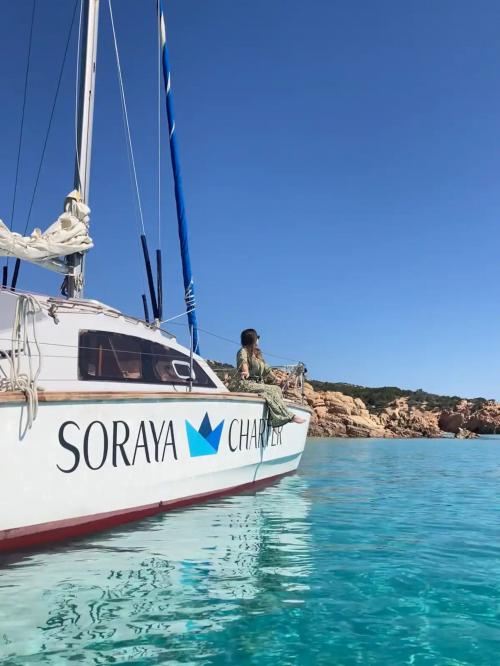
(104,417)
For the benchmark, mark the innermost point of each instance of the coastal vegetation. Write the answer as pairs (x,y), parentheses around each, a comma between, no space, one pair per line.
(378,398)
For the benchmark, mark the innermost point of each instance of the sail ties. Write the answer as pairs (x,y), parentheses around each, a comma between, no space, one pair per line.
(67,235)
(189,297)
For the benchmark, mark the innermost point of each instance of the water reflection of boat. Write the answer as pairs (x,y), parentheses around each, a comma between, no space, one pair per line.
(188,571)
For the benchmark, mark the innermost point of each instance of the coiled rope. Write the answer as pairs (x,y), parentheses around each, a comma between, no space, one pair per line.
(21,378)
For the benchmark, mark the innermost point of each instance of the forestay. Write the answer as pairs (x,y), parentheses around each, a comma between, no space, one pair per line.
(67,235)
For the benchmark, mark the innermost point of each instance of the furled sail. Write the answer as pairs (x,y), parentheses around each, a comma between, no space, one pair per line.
(67,235)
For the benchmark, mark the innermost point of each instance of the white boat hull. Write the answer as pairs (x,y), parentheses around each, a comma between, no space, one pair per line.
(93,461)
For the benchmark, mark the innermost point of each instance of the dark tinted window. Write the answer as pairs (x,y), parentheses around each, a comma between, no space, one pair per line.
(105,356)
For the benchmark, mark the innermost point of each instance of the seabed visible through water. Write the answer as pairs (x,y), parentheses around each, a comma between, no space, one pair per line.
(377,552)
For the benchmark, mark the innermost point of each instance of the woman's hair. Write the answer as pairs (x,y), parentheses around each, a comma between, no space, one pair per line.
(249,338)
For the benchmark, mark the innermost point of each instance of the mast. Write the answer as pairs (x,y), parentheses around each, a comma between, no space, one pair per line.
(88,40)
(179,192)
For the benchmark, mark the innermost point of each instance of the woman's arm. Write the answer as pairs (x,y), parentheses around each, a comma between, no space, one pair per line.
(269,376)
(242,364)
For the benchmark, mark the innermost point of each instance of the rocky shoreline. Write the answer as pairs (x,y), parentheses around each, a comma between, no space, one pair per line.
(335,414)
(339,415)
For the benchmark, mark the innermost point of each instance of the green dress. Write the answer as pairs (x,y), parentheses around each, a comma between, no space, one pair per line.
(259,372)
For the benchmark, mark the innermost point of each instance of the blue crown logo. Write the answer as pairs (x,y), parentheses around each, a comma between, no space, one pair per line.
(205,441)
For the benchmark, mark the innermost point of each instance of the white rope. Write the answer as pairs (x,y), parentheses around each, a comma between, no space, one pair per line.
(125,116)
(182,314)
(19,379)
(189,297)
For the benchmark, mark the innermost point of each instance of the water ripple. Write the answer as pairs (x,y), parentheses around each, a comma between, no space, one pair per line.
(377,553)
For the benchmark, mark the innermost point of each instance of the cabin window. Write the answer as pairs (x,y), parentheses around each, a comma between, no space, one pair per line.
(109,356)
(106,356)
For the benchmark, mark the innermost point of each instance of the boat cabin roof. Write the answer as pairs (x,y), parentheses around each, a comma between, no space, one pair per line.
(85,345)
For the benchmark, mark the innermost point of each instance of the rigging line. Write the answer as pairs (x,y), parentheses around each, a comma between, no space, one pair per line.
(77,90)
(130,151)
(26,77)
(238,344)
(143,271)
(6,267)
(215,335)
(182,314)
(61,71)
(125,113)
(158,58)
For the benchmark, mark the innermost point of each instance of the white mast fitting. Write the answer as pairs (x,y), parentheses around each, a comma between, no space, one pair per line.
(74,282)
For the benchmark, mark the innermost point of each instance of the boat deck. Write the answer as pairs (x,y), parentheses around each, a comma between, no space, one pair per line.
(106,396)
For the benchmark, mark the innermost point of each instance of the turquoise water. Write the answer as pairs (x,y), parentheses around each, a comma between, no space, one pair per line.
(377,552)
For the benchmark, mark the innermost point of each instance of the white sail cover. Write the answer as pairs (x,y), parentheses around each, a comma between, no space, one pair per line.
(68,234)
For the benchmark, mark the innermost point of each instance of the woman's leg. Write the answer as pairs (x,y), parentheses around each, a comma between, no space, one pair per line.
(279,414)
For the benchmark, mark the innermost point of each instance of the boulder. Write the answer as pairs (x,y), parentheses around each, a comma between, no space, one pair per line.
(360,431)
(339,415)
(452,421)
(406,421)
(483,418)
(327,428)
(465,434)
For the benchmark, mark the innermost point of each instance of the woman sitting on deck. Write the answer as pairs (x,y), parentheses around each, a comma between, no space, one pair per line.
(255,376)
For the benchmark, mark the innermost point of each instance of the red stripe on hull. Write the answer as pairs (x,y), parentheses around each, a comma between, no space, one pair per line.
(59,530)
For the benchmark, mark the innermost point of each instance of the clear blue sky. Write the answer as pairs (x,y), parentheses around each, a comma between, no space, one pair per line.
(342,170)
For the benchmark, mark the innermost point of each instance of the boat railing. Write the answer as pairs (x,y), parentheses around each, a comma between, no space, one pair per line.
(291,378)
